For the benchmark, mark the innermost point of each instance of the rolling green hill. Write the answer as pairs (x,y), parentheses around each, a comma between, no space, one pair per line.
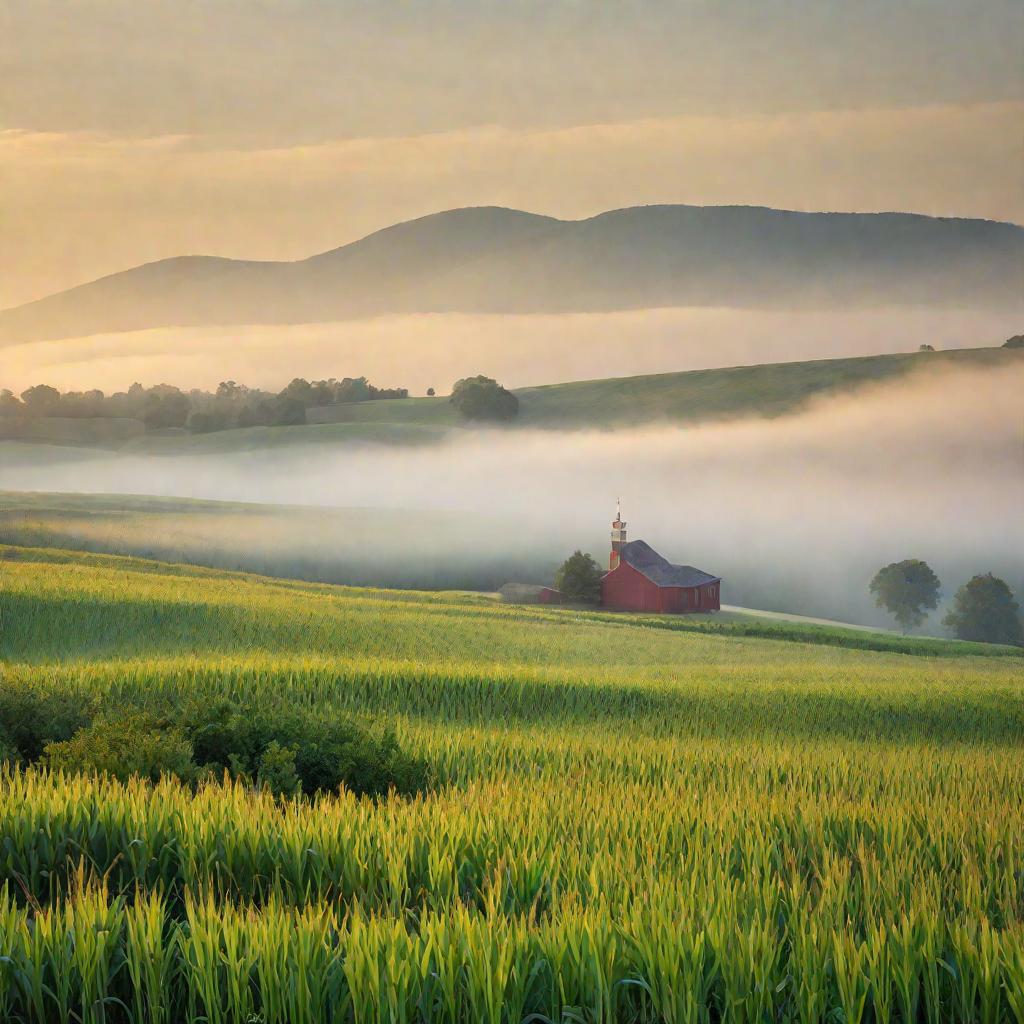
(690,396)
(769,389)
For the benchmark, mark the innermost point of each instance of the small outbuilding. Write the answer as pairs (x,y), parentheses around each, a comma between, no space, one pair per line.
(640,580)
(530,593)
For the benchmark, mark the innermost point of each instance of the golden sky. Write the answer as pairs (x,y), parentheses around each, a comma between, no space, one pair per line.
(131,131)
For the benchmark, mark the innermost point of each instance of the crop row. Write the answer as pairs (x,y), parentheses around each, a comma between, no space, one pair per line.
(97,958)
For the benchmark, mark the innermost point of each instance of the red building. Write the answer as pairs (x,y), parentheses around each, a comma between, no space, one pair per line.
(640,580)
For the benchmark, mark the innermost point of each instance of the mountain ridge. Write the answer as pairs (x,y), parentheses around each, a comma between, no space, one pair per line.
(493,259)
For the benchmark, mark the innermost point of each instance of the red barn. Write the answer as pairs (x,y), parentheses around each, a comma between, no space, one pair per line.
(640,580)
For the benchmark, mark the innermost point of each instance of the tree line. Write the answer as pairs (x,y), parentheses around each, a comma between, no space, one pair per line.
(164,406)
(983,608)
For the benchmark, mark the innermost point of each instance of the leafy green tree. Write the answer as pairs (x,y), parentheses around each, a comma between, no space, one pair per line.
(301,390)
(287,412)
(483,398)
(907,590)
(579,578)
(207,422)
(41,400)
(984,609)
(9,405)
(352,389)
(229,391)
(166,408)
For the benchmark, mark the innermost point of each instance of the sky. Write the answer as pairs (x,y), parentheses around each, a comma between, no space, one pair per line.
(273,129)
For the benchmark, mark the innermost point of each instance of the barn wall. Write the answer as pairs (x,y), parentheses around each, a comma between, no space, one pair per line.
(710,597)
(626,589)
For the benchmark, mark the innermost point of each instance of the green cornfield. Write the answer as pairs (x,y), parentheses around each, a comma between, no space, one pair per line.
(628,821)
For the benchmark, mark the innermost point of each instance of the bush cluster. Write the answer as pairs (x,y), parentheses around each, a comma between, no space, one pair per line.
(286,749)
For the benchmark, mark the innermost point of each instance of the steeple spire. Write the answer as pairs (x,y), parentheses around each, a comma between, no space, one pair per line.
(618,536)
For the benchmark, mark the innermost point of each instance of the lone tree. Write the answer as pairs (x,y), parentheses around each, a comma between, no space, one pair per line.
(579,578)
(483,398)
(907,590)
(984,609)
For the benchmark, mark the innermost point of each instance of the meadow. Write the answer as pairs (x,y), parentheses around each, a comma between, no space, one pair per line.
(629,818)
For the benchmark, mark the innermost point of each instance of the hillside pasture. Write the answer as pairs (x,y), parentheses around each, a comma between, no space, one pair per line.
(691,396)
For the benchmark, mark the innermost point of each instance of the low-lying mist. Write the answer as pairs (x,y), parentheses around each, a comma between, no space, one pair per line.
(434,350)
(795,513)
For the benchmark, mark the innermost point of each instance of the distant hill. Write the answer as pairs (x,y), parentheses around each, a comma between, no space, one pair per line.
(495,260)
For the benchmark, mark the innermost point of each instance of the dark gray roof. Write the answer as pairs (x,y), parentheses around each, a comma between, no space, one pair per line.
(645,559)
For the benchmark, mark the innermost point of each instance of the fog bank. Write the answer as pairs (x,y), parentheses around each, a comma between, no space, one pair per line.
(795,513)
(433,350)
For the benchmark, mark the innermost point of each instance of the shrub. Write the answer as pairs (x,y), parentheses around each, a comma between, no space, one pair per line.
(123,748)
(1017,341)
(276,770)
(483,398)
(8,751)
(286,748)
(33,716)
(264,743)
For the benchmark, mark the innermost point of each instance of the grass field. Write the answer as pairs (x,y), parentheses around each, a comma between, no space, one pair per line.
(765,390)
(630,819)
(769,389)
